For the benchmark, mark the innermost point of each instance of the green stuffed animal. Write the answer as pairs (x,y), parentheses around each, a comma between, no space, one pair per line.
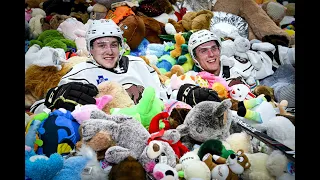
(53,38)
(148,106)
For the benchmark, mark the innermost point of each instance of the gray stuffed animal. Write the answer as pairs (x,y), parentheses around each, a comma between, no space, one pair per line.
(157,151)
(206,120)
(129,134)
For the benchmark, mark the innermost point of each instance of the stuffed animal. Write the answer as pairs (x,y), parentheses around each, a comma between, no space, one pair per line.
(162,171)
(127,169)
(97,11)
(155,8)
(206,120)
(35,22)
(120,97)
(154,28)
(275,11)
(197,20)
(35,87)
(179,40)
(240,141)
(260,24)
(33,3)
(279,166)
(148,106)
(100,142)
(281,129)
(134,30)
(190,166)
(172,137)
(240,92)
(53,21)
(229,168)
(129,135)
(55,166)
(258,169)
(214,147)
(177,116)
(74,30)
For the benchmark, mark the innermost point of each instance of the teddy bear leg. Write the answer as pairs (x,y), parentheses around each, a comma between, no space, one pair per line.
(261,24)
(116,154)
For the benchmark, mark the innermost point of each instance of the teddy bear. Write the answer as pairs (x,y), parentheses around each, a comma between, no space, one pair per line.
(172,137)
(153,8)
(154,28)
(163,171)
(229,168)
(33,3)
(127,169)
(206,120)
(35,24)
(36,88)
(120,97)
(258,169)
(197,20)
(261,26)
(279,166)
(129,135)
(134,30)
(53,21)
(157,151)
(97,11)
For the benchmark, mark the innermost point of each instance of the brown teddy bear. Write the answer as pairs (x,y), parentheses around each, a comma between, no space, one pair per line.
(177,25)
(260,24)
(128,169)
(153,28)
(134,30)
(121,98)
(197,20)
(35,86)
(53,22)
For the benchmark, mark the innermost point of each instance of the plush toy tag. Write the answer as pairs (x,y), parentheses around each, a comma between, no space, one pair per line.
(87,170)
(105,165)
(163,159)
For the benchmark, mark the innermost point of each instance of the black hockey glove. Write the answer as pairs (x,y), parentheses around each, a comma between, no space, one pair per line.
(193,94)
(69,95)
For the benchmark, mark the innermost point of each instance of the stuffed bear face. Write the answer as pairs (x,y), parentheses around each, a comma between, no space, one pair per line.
(208,120)
(157,152)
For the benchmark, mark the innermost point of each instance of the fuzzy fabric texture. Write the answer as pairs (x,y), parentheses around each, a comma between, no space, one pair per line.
(121,98)
(129,134)
(206,120)
(128,169)
(260,24)
(258,169)
(158,152)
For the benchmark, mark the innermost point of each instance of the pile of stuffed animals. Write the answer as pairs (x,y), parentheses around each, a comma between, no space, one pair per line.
(184,138)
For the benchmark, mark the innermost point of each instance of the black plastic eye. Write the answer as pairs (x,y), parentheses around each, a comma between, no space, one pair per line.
(163,154)
(125,27)
(157,160)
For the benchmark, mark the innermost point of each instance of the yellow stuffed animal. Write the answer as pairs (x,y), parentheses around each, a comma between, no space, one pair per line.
(177,46)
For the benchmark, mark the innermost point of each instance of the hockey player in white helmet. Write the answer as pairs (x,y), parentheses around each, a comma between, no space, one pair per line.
(204,48)
(105,44)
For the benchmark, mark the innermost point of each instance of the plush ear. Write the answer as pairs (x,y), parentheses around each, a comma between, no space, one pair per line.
(222,107)
(247,165)
(239,152)
(103,100)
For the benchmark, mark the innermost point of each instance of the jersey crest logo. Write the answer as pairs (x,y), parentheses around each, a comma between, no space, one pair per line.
(101,79)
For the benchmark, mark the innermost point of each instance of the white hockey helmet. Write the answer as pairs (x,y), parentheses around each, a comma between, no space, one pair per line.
(200,37)
(104,28)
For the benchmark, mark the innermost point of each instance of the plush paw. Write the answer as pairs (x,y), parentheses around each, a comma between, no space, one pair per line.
(116,154)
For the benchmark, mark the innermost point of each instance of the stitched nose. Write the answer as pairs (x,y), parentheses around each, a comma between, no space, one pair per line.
(156,147)
(169,172)
(232,156)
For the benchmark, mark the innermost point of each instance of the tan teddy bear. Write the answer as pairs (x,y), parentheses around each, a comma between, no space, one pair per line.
(197,20)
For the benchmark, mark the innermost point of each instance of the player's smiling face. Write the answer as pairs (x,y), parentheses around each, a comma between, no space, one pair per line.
(105,51)
(208,56)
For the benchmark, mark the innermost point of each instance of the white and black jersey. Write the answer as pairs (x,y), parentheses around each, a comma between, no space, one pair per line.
(132,72)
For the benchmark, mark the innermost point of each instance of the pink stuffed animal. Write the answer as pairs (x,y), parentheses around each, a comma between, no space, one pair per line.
(75,30)
(211,79)
(82,113)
